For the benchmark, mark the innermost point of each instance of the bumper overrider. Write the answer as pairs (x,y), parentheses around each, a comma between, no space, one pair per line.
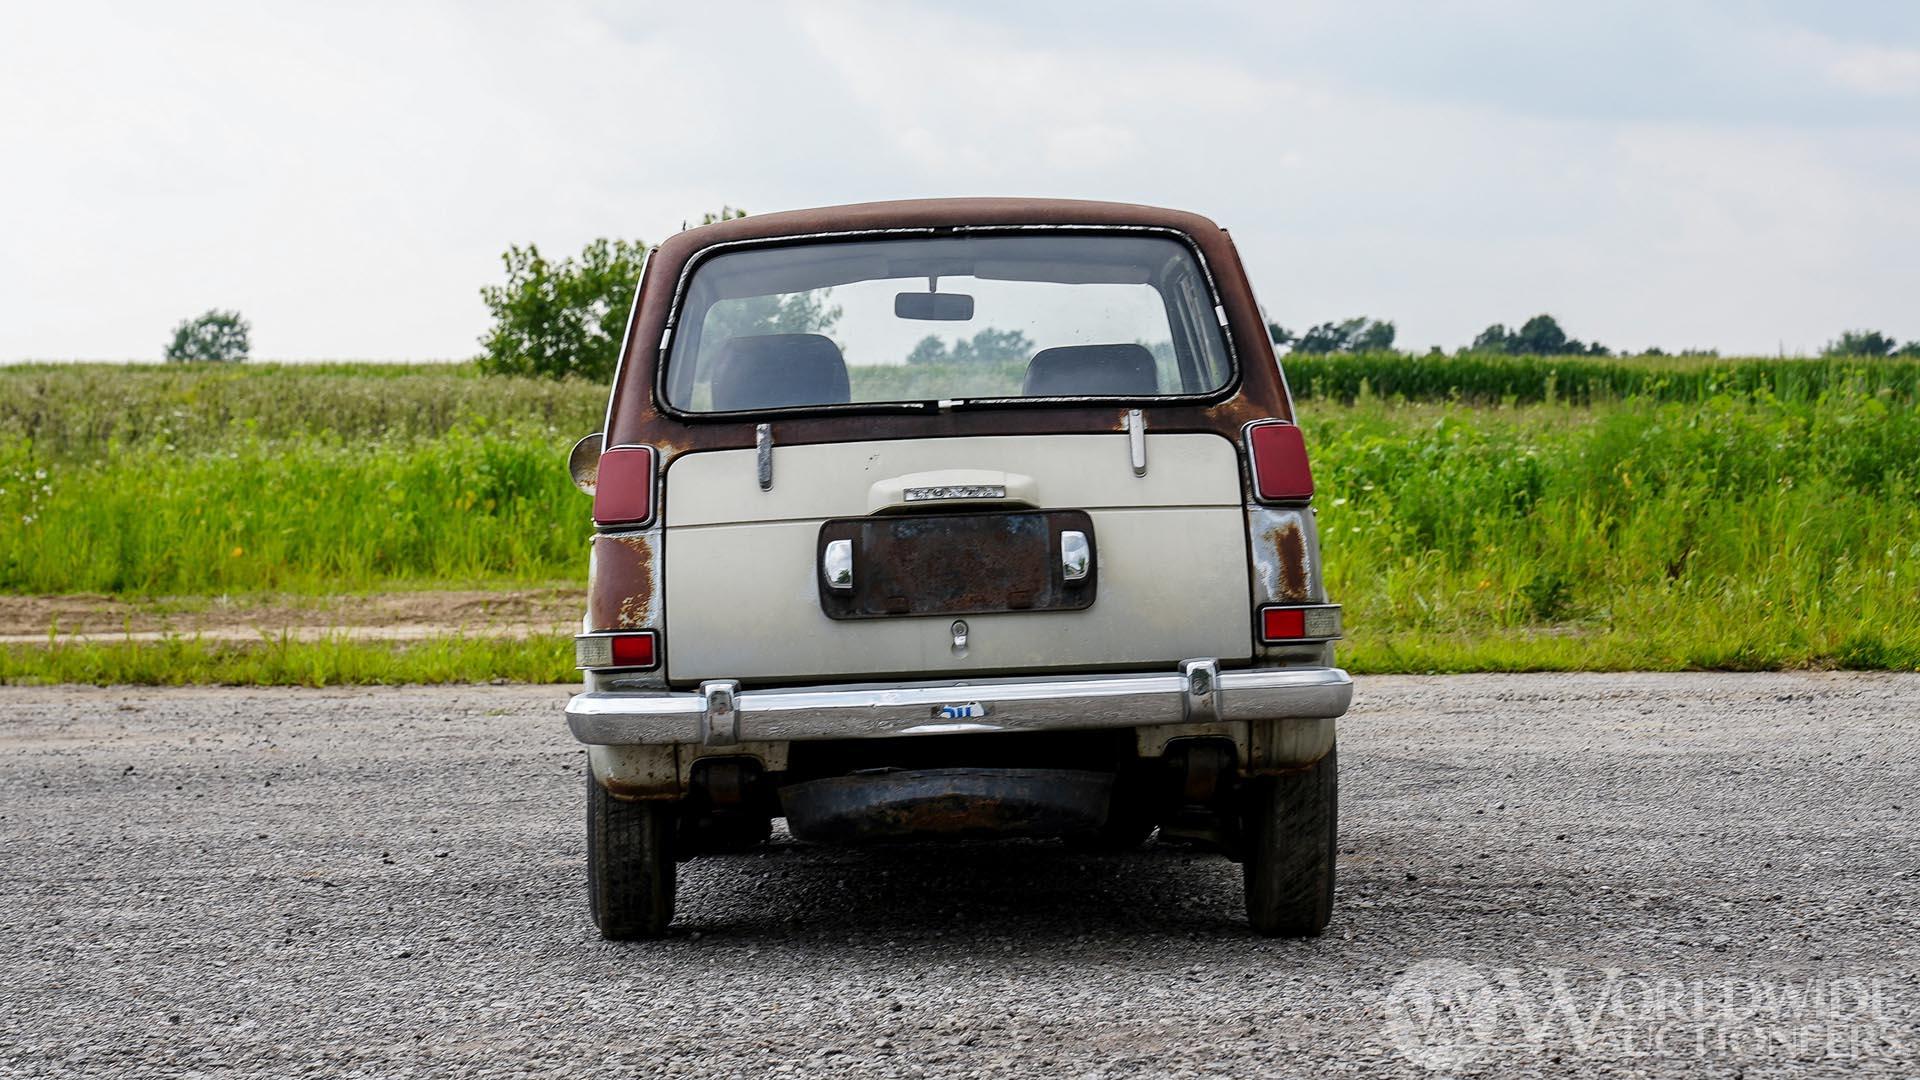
(720,713)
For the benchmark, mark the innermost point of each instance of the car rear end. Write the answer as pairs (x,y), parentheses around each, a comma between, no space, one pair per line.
(954,519)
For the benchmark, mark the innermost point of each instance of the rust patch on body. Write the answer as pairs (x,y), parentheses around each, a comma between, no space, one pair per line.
(621,593)
(957,564)
(1290,544)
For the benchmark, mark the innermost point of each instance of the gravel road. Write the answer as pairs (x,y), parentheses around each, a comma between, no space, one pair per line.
(1582,875)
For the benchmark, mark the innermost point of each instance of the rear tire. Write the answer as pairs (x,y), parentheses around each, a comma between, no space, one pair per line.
(629,865)
(1290,830)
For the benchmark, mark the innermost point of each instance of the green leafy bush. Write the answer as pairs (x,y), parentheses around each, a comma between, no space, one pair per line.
(215,337)
(561,318)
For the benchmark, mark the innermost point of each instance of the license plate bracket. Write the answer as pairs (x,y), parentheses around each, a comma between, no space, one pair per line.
(956,564)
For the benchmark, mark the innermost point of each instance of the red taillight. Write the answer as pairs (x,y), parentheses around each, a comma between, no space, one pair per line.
(1279,624)
(623,493)
(1278,454)
(1306,622)
(640,649)
(633,650)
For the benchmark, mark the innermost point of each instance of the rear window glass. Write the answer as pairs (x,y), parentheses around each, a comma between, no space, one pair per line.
(1045,314)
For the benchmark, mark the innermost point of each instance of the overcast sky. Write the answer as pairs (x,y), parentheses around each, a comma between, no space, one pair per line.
(1737,175)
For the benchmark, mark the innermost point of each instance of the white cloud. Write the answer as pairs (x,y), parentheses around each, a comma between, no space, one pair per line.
(348,174)
(1880,71)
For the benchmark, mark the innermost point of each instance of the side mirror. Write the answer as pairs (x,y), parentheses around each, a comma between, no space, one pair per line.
(583,463)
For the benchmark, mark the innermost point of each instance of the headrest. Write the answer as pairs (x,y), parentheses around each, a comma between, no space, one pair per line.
(1092,371)
(771,371)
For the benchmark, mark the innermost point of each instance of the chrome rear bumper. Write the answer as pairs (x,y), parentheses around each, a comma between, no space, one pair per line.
(721,714)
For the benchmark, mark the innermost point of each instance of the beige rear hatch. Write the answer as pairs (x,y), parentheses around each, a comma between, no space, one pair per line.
(742,563)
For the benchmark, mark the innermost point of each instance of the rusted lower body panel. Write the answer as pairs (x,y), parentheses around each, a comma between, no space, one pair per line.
(1283,547)
(957,564)
(953,804)
(1287,745)
(637,772)
(623,585)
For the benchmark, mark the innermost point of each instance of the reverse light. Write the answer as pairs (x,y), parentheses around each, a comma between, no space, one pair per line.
(637,649)
(623,494)
(1277,453)
(1314,622)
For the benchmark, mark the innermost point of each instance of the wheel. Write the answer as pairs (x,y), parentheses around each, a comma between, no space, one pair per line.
(629,864)
(1289,829)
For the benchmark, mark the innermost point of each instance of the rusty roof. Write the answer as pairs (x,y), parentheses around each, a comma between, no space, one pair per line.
(635,417)
(933,213)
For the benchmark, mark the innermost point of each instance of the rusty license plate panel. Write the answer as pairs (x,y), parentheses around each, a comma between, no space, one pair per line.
(956,564)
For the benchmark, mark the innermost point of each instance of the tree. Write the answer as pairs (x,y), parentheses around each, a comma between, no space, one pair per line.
(1538,336)
(1493,339)
(569,317)
(1327,337)
(1871,343)
(1376,336)
(794,313)
(928,350)
(564,318)
(1359,334)
(218,336)
(988,347)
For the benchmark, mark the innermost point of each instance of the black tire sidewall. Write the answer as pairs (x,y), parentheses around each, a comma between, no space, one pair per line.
(1290,827)
(630,866)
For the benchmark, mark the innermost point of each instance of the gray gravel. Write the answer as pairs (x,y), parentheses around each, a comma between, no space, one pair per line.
(1589,875)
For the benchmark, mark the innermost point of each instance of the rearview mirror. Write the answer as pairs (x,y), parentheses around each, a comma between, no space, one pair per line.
(933,306)
(583,463)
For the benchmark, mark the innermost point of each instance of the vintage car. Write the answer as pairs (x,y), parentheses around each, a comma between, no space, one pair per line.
(954,519)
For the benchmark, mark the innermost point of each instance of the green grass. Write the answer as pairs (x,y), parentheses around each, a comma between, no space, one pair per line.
(1731,534)
(1496,378)
(312,515)
(85,412)
(189,661)
(1770,523)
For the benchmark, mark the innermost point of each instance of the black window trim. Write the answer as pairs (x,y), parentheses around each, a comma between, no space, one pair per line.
(664,347)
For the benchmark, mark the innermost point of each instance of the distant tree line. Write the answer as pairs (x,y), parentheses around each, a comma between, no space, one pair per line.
(1349,335)
(1541,335)
(568,317)
(989,346)
(1870,343)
